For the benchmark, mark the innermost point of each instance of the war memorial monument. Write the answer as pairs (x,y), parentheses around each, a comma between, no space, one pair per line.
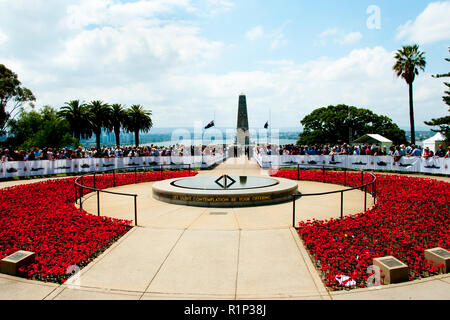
(225,190)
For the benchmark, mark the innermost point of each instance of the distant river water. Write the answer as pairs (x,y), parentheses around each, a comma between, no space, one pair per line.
(198,142)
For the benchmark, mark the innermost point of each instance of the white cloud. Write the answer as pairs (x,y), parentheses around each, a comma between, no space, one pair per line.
(432,25)
(255,33)
(278,38)
(136,47)
(364,78)
(278,41)
(277,62)
(350,38)
(160,63)
(329,32)
(110,12)
(219,6)
(3,37)
(339,37)
(101,41)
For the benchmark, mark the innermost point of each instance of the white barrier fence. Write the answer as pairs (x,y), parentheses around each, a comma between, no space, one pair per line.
(407,164)
(50,167)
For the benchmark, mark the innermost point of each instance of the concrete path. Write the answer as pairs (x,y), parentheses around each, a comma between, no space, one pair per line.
(180,252)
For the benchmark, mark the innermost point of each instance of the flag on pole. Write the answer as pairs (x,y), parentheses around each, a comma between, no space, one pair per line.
(210,125)
(266,126)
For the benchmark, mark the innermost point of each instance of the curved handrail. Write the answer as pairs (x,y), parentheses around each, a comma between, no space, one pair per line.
(362,186)
(337,191)
(81,186)
(345,190)
(114,170)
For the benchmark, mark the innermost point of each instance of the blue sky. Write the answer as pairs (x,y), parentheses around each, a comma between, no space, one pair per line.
(302,22)
(188,59)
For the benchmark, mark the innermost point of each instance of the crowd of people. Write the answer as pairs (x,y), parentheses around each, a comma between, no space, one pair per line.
(346,149)
(36,153)
(397,152)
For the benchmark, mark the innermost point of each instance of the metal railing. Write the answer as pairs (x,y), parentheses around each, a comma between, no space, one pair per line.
(79,186)
(362,186)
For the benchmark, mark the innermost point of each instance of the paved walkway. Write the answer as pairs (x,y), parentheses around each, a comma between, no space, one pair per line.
(180,252)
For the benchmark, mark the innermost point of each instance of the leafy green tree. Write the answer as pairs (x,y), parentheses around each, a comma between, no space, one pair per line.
(444,122)
(138,120)
(41,129)
(409,60)
(76,114)
(118,118)
(12,96)
(98,115)
(338,124)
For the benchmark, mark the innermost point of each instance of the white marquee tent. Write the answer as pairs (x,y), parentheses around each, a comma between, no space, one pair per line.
(434,142)
(374,139)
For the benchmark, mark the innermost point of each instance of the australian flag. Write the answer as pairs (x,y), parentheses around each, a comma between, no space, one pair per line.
(210,125)
(266,126)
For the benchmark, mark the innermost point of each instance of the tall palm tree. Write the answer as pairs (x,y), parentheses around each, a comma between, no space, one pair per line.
(138,120)
(99,117)
(76,114)
(118,118)
(409,60)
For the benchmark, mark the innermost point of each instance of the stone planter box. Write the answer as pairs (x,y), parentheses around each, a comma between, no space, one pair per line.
(439,256)
(393,269)
(11,264)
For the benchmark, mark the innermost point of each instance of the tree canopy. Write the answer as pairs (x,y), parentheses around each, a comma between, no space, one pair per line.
(76,114)
(444,122)
(408,63)
(12,96)
(118,120)
(339,124)
(138,120)
(98,115)
(40,129)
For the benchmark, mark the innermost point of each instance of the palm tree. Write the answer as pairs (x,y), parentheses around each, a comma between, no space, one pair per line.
(99,117)
(409,60)
(138,120)
(118,117)
(76,114)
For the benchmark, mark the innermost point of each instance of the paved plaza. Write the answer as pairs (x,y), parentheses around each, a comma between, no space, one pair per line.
(181,252)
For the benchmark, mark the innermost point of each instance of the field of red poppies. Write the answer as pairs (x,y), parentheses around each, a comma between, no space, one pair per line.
(42,218)
(412,215)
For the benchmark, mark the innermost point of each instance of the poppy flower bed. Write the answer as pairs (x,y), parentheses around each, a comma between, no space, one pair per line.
(42,218)
(411,215)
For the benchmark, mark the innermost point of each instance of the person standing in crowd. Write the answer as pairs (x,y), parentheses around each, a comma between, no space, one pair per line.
(408,150)
(392,150)
(447,155)
(8,156)
(427,153)
(334,152)
(440,152)
(49,154)
(396,154)
(416,151)
(30,156)
(37,153)
(378,152)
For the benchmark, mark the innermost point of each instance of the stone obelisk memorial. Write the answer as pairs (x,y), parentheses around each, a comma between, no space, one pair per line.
(242,134)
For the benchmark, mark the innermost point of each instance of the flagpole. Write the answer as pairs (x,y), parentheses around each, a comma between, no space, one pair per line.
(270,125)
